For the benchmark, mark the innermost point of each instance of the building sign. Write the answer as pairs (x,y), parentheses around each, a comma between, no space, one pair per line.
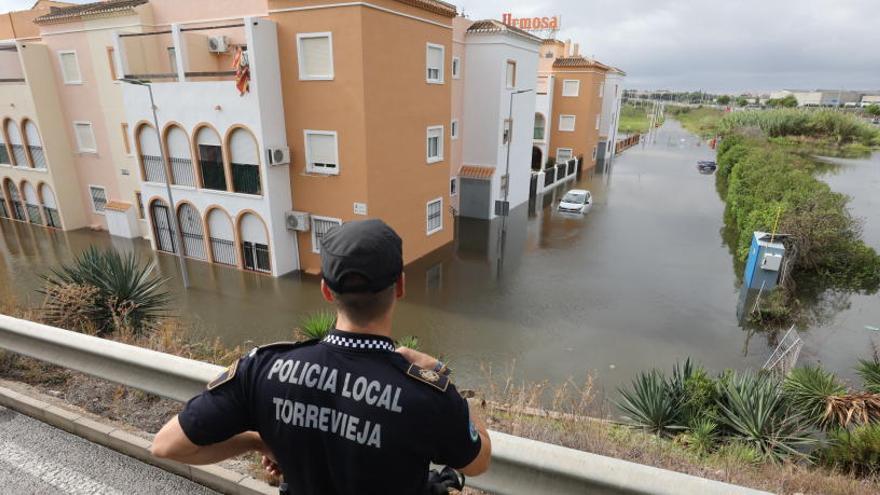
(531,23)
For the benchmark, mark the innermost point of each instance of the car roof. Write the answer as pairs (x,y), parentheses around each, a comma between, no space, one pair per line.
(578,191)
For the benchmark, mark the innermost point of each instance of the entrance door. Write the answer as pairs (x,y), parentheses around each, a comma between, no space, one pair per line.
(162,223)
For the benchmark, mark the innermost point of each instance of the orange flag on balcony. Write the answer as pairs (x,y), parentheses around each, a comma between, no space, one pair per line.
(242,71)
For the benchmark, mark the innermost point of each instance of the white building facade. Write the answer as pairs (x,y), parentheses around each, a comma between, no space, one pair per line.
(610,116)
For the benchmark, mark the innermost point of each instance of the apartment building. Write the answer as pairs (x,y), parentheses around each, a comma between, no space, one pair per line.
(500,67)
(608,122)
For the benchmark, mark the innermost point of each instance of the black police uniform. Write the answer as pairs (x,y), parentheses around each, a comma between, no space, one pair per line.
(345,415)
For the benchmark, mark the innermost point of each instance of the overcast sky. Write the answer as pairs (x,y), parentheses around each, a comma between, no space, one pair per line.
(714,45)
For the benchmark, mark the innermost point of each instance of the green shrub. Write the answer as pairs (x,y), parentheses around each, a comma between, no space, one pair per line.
(869,371)
(807,390)
(123,293)
(650,404)
(840,127)
(739,453)
(855,451)
(317,325)
(410,341)
(702,436)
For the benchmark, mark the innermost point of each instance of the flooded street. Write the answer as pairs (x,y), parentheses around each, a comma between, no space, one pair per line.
(642,280)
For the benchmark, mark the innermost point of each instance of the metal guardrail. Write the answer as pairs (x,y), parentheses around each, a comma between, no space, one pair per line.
(519,465)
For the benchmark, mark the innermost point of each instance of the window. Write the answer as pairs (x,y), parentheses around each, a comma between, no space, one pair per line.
(435,144)
(211,163)
(453,129)
(453,186)
(320,227)
(566,123)
(548,55)
(510,76)
(322,152)
(435,57)
(595,151)
(139,201)
(99,198)
(539,127)
(172,59)
(507,130)
(435,215)
(601,90)
(598,116)
(456,67)
(126,144)
(571,87)
(315,56)
(69,67)
(111,61)
(563,155)
(85,137)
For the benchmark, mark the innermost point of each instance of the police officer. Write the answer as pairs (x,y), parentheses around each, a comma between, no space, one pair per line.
(349,414)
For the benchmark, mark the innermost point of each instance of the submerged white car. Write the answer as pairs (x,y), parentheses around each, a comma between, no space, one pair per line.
(575,201)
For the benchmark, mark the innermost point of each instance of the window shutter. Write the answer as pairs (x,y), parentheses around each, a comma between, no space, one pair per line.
(84,137)
(435,59)
(70,67)
(322,149)
(316,56)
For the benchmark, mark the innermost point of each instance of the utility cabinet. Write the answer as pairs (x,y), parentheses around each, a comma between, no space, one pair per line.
(765,261)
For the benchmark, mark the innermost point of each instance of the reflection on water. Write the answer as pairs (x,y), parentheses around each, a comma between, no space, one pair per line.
(642,280)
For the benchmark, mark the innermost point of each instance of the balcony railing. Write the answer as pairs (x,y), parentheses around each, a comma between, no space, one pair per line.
(20,155)
(154,169)
(194,245)
(4,155)
(34,214)
(182,170)
(52,218)
(256,257)
(223,251)
(38,156)
(4,213)
(18,211)
(246,178)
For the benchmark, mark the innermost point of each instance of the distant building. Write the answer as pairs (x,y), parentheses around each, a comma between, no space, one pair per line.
(820,97)
(868,100)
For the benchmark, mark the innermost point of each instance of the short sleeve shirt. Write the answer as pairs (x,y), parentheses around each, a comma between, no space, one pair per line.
(345,415)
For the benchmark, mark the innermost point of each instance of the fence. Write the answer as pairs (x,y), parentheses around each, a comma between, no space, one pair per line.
(627,143)
(553,175)
(154,169)
(519,465)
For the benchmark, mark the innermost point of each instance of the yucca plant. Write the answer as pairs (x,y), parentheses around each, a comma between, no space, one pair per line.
(125,294)
(869,370)
(317,325)
(702,435)
(410,341)
(650,404)
(755,412)
(808,391)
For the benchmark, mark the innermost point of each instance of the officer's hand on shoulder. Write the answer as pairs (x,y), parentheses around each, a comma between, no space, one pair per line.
(417,358)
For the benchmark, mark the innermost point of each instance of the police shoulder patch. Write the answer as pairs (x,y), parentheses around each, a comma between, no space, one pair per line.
(431,377)
(224,377)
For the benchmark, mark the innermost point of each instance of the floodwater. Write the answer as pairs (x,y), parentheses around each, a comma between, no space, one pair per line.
(642,280)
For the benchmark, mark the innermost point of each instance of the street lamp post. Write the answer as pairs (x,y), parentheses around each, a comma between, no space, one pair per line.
(175,231)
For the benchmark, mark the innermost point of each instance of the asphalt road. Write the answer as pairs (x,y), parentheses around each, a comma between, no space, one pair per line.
(38,459)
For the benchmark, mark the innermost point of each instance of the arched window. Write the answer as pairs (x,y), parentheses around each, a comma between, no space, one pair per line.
(5,154)
(540,126)
(32,203)
(191,229)
(180,157)
(14,201)
(254,243)
(245,162)
(222,237)
(162,229)
(18,154)
(50,207)
(211,159)
(151,159)
(34,144)
(4,208)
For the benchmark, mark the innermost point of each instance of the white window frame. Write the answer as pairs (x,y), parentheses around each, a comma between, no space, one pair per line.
(454,130)
(299,59)
(428,213)
(310,169)
(598,119)
(428,157)
(79,146)
(570,150)
(601,91)
(456,68)
(453,186)
(442,78)
(573,123)
(507,65)
(577,91)
(315,247)
(92,198)
(61,66)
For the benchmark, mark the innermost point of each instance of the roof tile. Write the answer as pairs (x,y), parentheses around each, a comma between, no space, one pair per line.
(476,172)
(60,14)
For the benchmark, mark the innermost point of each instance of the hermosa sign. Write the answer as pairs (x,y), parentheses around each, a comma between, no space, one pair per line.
(531,23)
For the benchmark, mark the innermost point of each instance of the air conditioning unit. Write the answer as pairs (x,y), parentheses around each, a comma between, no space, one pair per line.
(278,156)
(297,220)
(218,44)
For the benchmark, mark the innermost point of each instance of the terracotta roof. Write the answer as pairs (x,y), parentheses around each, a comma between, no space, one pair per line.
(118,205)
(476,172)
(579,61)
(493,26)
(61,14)
(435,6)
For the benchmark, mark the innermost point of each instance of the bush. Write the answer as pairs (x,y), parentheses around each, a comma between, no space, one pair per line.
(869,371)
(808,389)
(650,405)
(316,325)
(840,127)
(855,451)
(103,292)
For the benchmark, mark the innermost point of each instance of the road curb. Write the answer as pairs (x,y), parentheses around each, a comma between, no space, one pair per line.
(213,476)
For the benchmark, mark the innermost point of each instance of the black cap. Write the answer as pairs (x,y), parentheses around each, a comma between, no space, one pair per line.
(369,248)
